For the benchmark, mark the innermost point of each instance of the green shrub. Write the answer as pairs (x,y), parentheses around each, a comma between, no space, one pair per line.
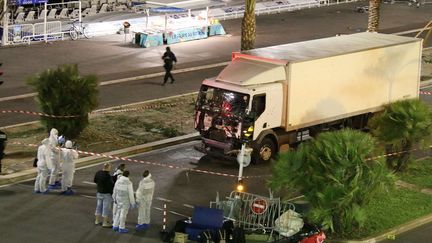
(63,92)
(335,175)
(401,127)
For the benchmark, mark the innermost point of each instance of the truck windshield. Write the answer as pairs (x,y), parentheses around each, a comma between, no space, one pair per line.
(222,101)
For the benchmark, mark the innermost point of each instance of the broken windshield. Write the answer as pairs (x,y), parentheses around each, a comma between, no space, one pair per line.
(223,101)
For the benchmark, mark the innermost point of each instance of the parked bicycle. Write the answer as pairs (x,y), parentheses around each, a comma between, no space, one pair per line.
(78,29)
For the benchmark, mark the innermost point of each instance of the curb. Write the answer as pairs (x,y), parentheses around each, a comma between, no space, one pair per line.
(393,231)
(130,151)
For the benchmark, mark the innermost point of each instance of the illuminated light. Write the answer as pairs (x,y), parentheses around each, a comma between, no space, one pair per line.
(240,186)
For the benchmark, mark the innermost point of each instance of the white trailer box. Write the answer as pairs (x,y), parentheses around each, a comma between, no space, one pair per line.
(332,78)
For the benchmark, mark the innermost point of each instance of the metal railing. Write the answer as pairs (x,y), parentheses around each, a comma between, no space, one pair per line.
(239,208)
(25,33)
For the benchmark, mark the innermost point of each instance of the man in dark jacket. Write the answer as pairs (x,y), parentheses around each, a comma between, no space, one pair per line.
(168,58)
(105,187)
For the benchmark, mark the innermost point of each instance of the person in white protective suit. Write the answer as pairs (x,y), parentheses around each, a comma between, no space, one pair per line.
(144,197)
(53,158)
(68,156)
(123,196)
(42,168)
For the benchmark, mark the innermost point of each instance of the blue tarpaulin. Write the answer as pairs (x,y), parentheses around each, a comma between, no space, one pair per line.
(167,10)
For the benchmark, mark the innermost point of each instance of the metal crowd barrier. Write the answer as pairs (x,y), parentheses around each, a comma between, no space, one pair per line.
(25,33)
(250,211)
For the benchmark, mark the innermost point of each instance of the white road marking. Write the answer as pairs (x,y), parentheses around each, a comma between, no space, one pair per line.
(122,80)
(88,182)
(92,197)
(188,205)
(172,212)
(163,199)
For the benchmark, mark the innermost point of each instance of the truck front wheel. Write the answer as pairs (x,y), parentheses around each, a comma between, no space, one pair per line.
(264,152)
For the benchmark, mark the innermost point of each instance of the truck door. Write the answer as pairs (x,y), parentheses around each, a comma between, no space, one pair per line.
(258,107)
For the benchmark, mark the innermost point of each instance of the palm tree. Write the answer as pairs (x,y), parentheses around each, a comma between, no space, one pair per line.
(335,175)
(400,127)
(248,28)
(374,15)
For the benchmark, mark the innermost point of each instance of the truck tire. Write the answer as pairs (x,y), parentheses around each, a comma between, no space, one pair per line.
(264,152)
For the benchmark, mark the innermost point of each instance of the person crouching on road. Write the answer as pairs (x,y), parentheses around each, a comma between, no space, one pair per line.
(105,187)
(42,169)
(68,156)
(144,197)
(123,196)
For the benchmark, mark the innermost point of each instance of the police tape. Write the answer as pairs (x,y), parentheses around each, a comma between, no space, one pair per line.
(37,114)
(197,170)
(146,107)
(139,161)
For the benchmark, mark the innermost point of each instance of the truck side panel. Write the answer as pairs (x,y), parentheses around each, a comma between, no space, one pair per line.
(332,88)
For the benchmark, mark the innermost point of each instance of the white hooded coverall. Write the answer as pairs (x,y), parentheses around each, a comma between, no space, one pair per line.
(123,195)
(53,156)
(144,197)
(42,169)
(68,156)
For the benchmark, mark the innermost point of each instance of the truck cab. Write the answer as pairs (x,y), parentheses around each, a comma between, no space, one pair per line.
(230,113)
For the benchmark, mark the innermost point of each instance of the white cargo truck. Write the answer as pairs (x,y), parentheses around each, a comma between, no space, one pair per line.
(278,95)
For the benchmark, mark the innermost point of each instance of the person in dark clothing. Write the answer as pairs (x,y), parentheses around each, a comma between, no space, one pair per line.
(105,186)
(169,58)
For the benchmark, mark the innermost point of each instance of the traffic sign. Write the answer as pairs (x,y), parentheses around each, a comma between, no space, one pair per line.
(259,206)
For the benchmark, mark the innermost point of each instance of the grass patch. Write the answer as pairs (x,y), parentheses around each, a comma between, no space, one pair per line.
(392,209)
(143,123)
(419,173)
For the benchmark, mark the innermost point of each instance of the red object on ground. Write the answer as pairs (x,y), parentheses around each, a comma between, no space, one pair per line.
(317,238)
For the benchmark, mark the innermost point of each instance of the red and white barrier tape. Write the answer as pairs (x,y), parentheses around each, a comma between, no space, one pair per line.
(119,111)
(35,113)
(143,107)
(140,161)
(147,107)
(191,169)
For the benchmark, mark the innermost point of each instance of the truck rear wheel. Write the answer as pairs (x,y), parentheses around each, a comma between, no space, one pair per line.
(264,152)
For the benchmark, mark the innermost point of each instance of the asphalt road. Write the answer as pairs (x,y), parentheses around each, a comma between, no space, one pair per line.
(418,235)
(110,58)
(28,217)
(118,94)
